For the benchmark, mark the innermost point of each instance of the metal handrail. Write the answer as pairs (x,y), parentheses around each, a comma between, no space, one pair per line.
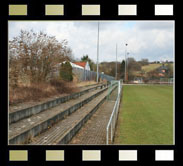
(110,88)
(114,115)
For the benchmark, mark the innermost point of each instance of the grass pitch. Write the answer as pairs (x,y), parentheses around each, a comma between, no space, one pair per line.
(146,115)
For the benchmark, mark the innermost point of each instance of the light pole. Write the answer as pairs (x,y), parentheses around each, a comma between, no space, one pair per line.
(126,62)
(116,61)
(127,66)
(98,53)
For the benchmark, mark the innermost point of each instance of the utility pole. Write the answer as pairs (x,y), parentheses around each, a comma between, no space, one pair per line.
(98,53)
(116,62)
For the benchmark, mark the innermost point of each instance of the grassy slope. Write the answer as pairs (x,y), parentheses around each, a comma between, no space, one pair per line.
(147,68)
(146,115)
(150,67)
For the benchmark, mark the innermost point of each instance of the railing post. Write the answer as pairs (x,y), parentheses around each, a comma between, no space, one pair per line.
(111,131)
(107,136)
(118,87)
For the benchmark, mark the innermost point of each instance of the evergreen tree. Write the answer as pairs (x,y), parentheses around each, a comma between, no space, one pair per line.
(122,69)
(86,58)
(66,72)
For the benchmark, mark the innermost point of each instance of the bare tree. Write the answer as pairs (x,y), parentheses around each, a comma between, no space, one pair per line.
(36,54)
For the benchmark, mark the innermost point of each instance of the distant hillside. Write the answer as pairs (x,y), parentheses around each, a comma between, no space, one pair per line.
(148,68)
(151,67)
(109,68)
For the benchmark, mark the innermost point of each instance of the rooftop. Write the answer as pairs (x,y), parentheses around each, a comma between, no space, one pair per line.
(82,64)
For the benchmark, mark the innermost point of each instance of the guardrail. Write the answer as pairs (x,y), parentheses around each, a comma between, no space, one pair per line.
(113,118)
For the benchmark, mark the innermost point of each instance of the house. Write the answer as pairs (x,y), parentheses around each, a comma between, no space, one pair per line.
(138,80)
(84,65)
(80,69)
(162,70)
(78,65)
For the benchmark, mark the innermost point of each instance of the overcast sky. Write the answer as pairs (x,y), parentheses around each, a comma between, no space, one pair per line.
(146,39)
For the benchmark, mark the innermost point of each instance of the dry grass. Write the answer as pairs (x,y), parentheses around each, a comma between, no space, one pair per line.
(38,91)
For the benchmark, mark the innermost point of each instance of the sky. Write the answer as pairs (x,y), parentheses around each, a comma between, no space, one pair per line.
(153,40)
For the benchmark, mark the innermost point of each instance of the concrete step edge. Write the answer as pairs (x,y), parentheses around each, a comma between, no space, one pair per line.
(72,132)
(39,128)
(27,112)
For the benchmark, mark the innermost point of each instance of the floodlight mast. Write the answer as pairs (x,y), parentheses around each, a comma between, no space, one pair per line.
(98,52)
(127,66)
(116,62)
(126,62)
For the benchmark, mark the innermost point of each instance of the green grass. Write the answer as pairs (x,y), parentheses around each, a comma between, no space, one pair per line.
(146,115)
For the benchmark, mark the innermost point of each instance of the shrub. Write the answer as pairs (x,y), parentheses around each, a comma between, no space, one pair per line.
(66,72)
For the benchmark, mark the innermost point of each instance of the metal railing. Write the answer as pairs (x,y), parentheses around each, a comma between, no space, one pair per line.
(110,88)
(113,118)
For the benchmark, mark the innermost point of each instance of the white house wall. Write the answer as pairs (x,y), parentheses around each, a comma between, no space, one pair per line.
(87,67)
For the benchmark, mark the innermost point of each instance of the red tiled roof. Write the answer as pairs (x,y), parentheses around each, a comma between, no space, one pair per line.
(82,64)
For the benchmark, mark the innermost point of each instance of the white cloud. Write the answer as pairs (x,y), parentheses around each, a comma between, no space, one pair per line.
(146,39)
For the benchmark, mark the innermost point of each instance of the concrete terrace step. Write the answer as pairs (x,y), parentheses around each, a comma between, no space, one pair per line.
(65,130)
(93,131)
(24,130)
(19,114)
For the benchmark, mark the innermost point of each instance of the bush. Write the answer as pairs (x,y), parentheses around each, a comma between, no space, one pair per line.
(66,72)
